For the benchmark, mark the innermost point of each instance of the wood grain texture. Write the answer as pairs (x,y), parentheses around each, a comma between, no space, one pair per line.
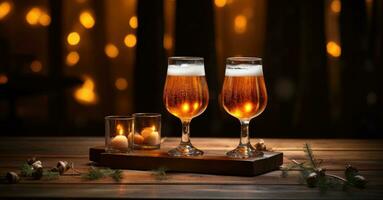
(367,155)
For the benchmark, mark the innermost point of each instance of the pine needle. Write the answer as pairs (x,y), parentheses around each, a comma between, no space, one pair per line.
(95,173)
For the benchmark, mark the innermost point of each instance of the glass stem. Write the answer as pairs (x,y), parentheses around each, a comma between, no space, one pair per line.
(185,132)
(244,132)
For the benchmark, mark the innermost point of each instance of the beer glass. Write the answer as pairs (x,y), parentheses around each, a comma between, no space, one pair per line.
(186,96)
(244,97)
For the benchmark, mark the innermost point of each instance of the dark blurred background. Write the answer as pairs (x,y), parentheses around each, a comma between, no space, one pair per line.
(64,65)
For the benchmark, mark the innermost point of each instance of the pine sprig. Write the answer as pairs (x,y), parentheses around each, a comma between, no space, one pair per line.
(95,173)
(26,170)
(314,176)
(160,173)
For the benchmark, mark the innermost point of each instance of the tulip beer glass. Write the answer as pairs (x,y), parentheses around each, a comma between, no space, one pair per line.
(244,97)
(186,96)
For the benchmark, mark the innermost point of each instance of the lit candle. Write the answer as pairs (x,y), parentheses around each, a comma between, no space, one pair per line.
(120,141)
(151,136)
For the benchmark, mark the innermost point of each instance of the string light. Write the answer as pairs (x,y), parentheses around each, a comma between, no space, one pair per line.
(333,49)
(86,19)
(72,58)
(130,40)
(5,9)
(240,24)
(121,84)
(73,38)
(133,22)
(111,50)
(36,66)
(220,3)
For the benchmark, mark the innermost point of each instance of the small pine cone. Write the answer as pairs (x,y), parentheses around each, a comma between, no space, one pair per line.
(38,173)
(360,181)
(62,167)
(12,177)
(312,179)
(260,146)
(32,160)
(37,164)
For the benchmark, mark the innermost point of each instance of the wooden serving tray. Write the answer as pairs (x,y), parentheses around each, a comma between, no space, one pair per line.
(209,163)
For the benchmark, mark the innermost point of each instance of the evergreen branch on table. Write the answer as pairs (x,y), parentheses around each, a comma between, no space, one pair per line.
(49,175)
(314,176)
(95,173)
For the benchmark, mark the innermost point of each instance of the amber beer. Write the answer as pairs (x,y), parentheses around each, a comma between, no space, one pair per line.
(185,96)
(244,93)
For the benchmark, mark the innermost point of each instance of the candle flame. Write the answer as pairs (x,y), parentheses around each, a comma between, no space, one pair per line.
(120,129)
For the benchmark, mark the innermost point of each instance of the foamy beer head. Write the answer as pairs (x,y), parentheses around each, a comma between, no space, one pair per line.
(244,91)
(186,94)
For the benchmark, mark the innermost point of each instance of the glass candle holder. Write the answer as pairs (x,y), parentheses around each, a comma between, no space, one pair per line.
(118,130)
(147,131)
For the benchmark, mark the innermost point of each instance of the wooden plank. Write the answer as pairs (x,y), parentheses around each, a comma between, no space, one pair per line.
(208,163)
(102,191)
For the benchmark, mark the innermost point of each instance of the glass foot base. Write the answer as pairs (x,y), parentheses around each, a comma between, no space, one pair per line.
(244,151)
(185,150)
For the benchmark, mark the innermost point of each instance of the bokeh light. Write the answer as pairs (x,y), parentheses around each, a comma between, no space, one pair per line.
(3,79)
(220,3)
(33,16)
(168,42)
(72,58)
(121,84)
(333,49)
(111,50)
(240,24)
(36,66)
(133,22)
(130,40)
(73,38)
(336,6)
(86,19)
(44,19)
(86,94)
(5,9)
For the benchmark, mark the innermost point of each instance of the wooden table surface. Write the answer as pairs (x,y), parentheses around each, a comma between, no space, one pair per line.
(366,155)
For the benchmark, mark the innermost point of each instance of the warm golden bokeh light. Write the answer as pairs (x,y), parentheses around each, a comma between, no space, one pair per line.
(121,84)
(240,24)
(133,22)
(111,50)
(195,105)
(85,94)
(86,19)
(333,49)
(168,42)
(130,40)
(220,3)
(73,38)
(248,107)
(33,16)
(5,9)
(3,79)
(36,66)
(44,19)
(336,6)
(185,107)
(72,58)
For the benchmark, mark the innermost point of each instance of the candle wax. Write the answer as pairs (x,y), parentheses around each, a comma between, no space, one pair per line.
(120,142)
(151,137)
